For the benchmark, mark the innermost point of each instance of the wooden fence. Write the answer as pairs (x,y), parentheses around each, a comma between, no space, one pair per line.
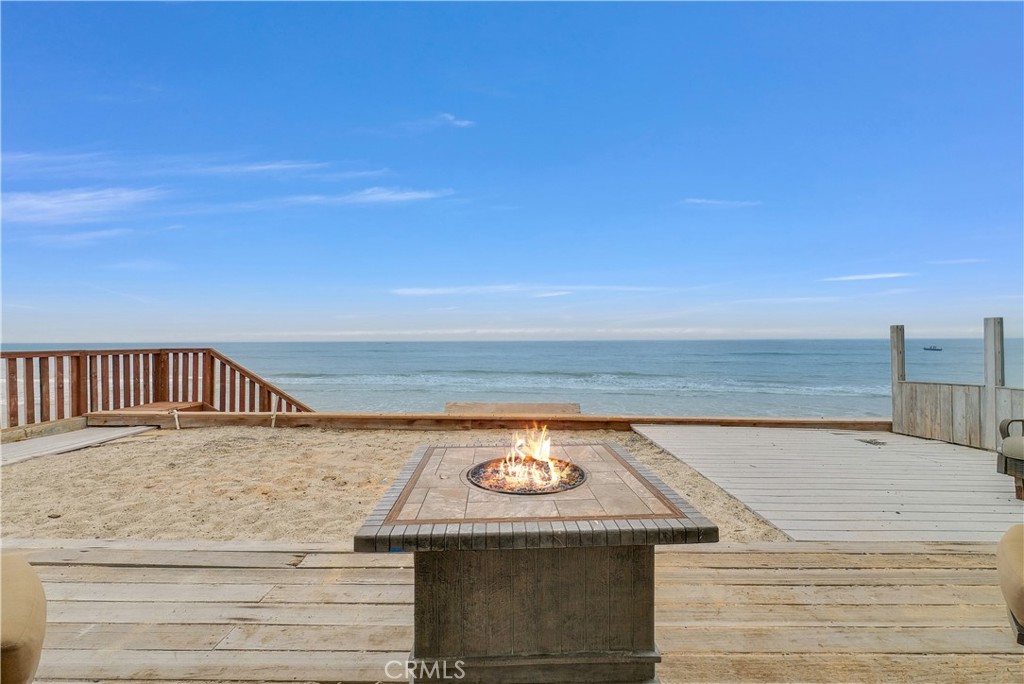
(956,413)
(41,386)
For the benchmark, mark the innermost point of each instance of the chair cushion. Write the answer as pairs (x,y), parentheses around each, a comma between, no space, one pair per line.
(1013,447)
(22,619)
(1010,562)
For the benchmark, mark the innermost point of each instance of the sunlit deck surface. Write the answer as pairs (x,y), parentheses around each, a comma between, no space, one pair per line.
(844,485)
(274,611)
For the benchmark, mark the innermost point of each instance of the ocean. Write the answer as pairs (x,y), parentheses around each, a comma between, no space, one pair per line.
(830,378)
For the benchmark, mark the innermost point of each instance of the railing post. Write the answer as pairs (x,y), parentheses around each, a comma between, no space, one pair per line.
(995,376)
(79,386)
(897,350)
(160,359)
(207,397)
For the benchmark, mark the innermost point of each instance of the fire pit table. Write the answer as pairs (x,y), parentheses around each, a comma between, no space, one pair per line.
(547,587)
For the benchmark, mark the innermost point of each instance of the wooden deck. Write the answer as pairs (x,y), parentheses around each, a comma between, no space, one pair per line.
(274,611)
(15,452)
(841,485)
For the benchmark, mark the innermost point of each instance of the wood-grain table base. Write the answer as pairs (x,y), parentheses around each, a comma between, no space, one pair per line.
(579,614)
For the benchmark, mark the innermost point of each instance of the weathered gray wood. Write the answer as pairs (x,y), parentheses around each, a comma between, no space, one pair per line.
(817,474)
(792,611)
(23,450)
(898,369)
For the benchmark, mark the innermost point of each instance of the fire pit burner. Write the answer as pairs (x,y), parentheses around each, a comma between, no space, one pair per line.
(555,475)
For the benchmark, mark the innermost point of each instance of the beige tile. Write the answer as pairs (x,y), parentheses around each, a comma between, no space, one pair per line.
(513,507)
(461,454)
(581,492)
(620,500)
(409,511)
(444,504)
(416,495)
(579,508)
(636,485)
(610,477)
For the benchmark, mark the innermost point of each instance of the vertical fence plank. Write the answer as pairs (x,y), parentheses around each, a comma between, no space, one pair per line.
(207,397)
(137,379)
(44,389)
(105,391)
(115,362)
(173,378)
(223,405)
(252,396)
(232,405)
(60,386)
(264,399)
(898,361)
(12,393)
(195,377)
(145,380)
(79,385)
(30,397)
(162,362)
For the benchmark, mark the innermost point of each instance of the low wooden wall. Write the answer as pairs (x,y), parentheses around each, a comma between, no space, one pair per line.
(955,413)
(446,421)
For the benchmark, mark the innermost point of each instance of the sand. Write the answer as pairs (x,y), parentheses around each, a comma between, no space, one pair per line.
(256,483)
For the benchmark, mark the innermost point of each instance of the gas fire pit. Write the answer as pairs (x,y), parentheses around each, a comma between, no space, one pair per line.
(554,587)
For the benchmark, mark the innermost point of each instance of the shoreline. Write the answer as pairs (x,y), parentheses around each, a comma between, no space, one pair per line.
(268,484)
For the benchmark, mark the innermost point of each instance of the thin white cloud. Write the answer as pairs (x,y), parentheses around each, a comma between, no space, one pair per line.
(951,262)
(78,205)
(140,265)
(446,119)
(59,164)
(719,202)
(789,300)
(868,276)
(421,126)
(374,195)
(109,165)
(350,175)
(79,239)
(258,167)
(530,289)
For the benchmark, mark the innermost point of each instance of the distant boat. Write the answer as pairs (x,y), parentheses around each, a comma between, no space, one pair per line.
(933,348)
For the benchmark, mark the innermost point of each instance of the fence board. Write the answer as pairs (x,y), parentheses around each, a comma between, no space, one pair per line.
(44,389)
(59,383)
(30,399)
(12,393)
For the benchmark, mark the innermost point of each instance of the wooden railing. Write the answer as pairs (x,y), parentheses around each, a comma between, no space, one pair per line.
(41,386)
(957,413)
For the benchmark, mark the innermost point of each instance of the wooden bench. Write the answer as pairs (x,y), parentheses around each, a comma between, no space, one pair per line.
(469,408)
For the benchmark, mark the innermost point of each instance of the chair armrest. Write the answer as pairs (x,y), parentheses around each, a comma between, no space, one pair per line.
(1004,426)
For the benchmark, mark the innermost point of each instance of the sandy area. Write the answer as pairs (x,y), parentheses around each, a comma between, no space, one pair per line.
(255,483)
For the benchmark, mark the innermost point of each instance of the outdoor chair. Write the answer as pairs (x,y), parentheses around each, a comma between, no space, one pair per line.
(22,620)
(1010,563)
(1011,455)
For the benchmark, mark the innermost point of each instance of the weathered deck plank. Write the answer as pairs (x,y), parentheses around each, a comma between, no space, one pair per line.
(851,486)
(818,611)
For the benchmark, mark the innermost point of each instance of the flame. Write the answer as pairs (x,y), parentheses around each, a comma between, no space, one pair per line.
(529,464)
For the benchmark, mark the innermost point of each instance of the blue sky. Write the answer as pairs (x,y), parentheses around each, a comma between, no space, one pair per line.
(336,171)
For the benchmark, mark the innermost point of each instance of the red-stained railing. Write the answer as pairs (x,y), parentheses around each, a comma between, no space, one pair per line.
(41,386)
